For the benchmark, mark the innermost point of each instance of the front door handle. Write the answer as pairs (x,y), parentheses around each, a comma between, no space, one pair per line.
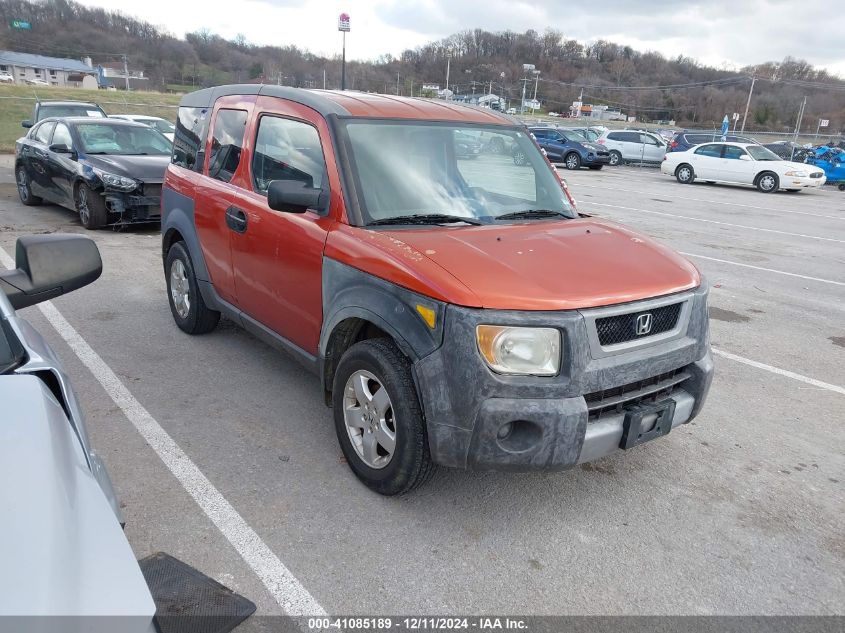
(236,219)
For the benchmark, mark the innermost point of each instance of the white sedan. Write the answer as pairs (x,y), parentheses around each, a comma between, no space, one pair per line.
(740,164)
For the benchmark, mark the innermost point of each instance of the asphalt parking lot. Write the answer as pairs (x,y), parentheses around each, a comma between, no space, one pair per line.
(739,512)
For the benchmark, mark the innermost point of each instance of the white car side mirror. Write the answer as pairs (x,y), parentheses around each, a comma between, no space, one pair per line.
(745,157)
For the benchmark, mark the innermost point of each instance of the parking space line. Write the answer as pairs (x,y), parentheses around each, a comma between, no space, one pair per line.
(739,226)
(732,204)
(288,592)
(770,270)
(781,372)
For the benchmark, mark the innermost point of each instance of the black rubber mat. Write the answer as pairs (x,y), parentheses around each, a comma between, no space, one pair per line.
(188,601)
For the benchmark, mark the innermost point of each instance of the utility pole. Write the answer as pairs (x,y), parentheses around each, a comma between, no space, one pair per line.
(397,84)
(324,78)
(747,104)
(798,123)
(448,67)
(126,71)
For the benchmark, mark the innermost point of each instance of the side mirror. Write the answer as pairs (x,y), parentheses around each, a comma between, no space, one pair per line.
(26,123)
(48,266)
(745,157)
(60,148)
(294,196)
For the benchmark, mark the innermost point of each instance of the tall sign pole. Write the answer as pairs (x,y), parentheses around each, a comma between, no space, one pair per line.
(343,27)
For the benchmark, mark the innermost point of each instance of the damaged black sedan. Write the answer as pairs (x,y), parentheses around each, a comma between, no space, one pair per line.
(109,171)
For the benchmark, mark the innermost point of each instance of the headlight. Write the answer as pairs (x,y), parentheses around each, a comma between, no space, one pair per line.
(796,174)
(115,181)
(520,350)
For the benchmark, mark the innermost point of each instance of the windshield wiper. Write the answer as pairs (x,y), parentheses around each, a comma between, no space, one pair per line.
(532,213)
(427,218)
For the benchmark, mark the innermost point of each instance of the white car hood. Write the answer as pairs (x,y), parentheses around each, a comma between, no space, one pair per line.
(65,554)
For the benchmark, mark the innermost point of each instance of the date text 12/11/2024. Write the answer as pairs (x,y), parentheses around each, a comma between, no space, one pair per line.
(416,624)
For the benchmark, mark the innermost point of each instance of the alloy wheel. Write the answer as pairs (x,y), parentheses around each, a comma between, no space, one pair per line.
(767,182)
(180,289)
(82,205)
(572,162)
(23,184)
(369,418)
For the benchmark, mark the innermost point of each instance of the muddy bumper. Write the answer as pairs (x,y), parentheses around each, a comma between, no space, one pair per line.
(608,396)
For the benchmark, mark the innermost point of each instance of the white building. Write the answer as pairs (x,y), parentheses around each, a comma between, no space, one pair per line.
(54,71)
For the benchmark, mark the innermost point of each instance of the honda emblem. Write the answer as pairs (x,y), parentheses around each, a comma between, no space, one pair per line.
(644,324)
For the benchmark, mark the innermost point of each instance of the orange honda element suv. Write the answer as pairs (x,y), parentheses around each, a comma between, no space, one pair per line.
(456,307)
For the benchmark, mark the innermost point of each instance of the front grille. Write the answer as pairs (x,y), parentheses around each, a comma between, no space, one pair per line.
(648,390)
(152,189)
(622,328)
(816,174)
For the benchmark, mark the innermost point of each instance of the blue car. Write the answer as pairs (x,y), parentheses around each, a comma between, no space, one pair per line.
(685,139)
(568,147)
(832,160)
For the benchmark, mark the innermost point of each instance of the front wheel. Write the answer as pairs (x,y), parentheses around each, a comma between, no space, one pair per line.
(186,303)
(573,161)
(378,418)
(841,187)
(615,158)
(25,188)
(768,182)
(685,174)
(91,207)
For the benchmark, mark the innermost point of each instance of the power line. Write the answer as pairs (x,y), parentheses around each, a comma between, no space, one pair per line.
(712,82)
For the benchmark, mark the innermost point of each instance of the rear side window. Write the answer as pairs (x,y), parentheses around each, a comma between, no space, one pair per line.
(226,143)
(714,151)
(698,139)
(287,150)
(44,131)
(190,132)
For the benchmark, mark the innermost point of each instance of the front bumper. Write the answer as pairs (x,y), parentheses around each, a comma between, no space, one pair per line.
(139,206)
(554,427)
(596,159)
(796,182)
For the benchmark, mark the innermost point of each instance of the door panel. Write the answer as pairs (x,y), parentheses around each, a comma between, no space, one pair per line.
(733,169)
(218,189)
(62,167)
(277,260)
(707,161)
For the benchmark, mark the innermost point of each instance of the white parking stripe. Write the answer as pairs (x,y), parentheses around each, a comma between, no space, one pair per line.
(739,226)
(281,583)
(770,270)
(731,204)
(781,372)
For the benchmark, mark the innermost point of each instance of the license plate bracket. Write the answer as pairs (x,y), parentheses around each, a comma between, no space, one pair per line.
(632,429)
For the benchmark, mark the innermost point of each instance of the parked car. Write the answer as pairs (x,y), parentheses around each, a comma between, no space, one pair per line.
(567,147)
(428,294)
(467,145)
(108,171)
(588,133)
(685,139)
(511,111)
(66,554)
(632,146)
(162,125)
(6,77)
(36,81)
(741,164)
(45,109)
(554,114)
(789,150)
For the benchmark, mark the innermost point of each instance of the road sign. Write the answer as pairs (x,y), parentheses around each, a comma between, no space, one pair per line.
(21,24)
(343,22)
(736,116)
(824,122)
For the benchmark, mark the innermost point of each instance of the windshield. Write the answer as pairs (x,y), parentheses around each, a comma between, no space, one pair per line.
(758,152)
(45,111)
(407,169)
(165,127)
(572,135)
(101,138)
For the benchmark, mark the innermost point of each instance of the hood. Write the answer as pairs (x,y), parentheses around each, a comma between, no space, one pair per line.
(564,265)
(68,554)
(144,168)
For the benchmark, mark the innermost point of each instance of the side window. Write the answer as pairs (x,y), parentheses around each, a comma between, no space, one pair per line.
(733,152)
(227,140)
(615,136)
(44,131)
(190,133)
(287,150)
(712,150)
(540,134)
(631,137)
(62,136)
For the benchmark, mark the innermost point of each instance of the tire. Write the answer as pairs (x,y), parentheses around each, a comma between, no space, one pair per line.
(191,314)
(615,158)
(572,161)
(377,366)
(91,207)
(841,187)
(767,182)
(684,174)
(596,167)
(519,158)
(25,188)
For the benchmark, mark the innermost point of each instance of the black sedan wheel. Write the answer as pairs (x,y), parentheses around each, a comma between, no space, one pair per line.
(573,161)
(91,207)
(24,190)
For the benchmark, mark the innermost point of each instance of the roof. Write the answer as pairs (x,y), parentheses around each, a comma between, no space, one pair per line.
(356,104)
(48,102)
(41,61)
(93,119)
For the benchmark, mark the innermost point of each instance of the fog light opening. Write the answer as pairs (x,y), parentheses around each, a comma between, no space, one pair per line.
(504,431)
(519,436)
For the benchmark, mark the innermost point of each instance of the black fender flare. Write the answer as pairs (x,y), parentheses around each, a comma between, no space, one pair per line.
(178,217)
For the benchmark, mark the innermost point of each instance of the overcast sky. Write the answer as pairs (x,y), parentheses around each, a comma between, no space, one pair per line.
(716,32)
